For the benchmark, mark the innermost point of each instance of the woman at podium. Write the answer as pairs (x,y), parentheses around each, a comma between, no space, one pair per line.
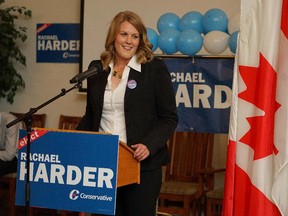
(133,97)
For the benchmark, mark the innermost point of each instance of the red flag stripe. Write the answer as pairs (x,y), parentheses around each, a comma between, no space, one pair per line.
(230,177)
(284,20)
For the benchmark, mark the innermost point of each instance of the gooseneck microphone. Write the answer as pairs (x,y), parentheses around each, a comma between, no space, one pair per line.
(84,75)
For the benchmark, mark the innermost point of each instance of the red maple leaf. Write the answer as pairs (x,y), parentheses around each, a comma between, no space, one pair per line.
(261,91)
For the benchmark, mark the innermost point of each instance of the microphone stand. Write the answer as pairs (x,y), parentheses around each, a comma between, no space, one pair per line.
(27,118)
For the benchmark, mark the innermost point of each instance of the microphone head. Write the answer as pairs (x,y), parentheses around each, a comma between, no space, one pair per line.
(94,69)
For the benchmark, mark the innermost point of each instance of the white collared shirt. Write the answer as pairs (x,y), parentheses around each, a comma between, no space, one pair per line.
(8,137)
(113,115)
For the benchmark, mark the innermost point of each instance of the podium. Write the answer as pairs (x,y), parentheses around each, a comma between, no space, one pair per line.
(77,168)
(127,174)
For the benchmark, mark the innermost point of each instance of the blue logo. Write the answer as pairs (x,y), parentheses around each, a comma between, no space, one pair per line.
(74,194)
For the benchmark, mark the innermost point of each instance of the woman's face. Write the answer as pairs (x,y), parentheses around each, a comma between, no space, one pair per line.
(126,42)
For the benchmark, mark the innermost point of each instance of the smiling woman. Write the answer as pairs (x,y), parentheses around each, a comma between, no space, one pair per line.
(126,44)
(133,79)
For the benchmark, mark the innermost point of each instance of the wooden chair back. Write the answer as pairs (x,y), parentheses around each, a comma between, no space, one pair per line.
(187,176)
(190,153)
(69,122)
(214,202)
(38,120)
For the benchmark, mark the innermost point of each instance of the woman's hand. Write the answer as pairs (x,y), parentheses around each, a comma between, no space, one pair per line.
(141,151)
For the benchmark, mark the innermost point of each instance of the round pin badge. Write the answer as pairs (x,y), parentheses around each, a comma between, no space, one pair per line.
(132,84)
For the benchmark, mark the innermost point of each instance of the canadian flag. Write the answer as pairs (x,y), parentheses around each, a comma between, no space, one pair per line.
(257,161)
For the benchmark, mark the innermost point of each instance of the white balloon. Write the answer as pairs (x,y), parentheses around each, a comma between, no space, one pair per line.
(216,42)
(234,23)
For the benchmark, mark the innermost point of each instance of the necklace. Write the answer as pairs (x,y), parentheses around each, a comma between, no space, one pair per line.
(115,74)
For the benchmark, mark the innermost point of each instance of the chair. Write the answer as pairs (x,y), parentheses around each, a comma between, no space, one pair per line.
(38,120)
(68,122)
(187,177)
(214,200)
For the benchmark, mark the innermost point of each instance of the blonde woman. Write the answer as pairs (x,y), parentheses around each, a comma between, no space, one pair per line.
(133,97)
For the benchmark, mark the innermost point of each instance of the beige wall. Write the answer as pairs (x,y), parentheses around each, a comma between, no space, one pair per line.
(99,17)
(45,80)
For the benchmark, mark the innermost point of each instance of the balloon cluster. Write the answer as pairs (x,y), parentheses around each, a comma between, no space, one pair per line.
(188,34)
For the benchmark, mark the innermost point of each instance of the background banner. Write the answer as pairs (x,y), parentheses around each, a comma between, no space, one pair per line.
(69,171)
(58,42)
(203,89)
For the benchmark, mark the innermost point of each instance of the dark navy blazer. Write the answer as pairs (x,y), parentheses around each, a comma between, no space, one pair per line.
(150,109)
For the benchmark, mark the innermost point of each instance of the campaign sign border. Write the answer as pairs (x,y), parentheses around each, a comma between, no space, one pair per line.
(69,171)
(58,42)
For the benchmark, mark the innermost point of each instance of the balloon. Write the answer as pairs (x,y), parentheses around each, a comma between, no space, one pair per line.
(167,41)
(189,42)
(168,20)
(153,38)
(234,23)
(232,42)
(191,20)
(214,20)
(215,42)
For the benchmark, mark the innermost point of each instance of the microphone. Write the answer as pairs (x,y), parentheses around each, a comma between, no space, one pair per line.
(84,75)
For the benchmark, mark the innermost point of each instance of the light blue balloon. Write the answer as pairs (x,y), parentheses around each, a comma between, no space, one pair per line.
(168,20)
(167,41)
(189,42)
(215,20)
(191,20)
(153,38)
(232,42)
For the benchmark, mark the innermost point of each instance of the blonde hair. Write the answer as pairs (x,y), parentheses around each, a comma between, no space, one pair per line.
(144,51)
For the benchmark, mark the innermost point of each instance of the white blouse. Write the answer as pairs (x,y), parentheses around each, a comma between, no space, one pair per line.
(8,137)
(113,115)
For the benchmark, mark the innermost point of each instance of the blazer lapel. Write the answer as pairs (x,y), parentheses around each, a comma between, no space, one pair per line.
(134,76)
(99,85)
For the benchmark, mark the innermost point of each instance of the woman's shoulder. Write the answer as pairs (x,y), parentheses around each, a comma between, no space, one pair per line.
(95,63)
(155,61)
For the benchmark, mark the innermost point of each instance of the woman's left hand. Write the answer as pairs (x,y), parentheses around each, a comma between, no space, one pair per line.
(141,151)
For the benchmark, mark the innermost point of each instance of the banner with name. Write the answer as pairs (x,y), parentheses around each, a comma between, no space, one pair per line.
(69,171)
(58,43)
(203,89)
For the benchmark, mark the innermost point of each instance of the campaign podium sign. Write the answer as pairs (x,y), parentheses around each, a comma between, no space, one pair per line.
(72,170)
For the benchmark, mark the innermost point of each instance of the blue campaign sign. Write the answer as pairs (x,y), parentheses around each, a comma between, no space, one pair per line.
(69,171)
(203,90)
(59,43)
